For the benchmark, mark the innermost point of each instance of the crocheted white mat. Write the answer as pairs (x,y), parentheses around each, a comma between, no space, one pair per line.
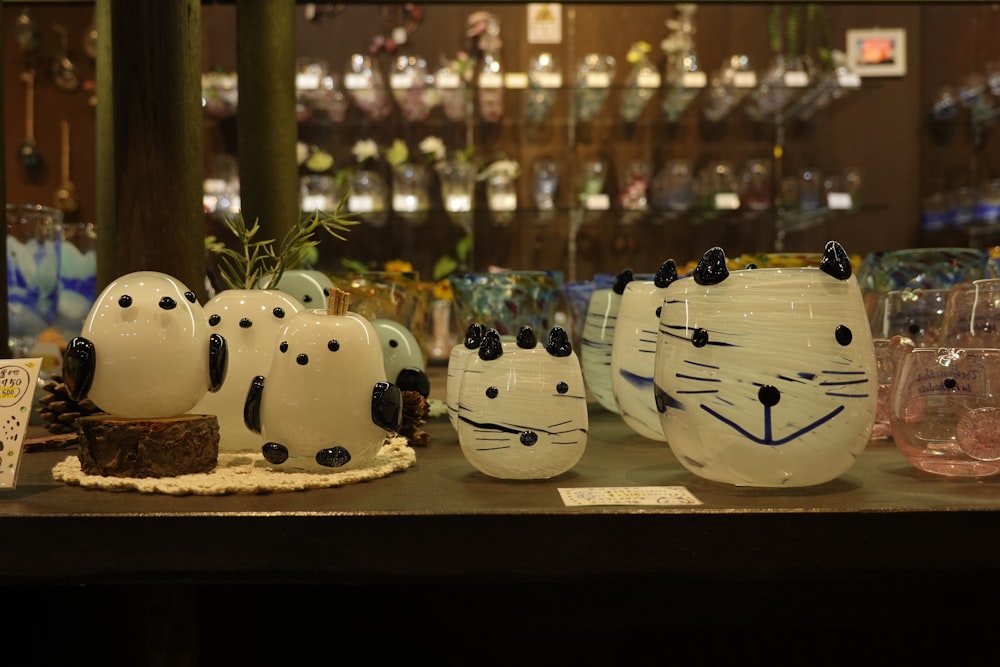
(243,473)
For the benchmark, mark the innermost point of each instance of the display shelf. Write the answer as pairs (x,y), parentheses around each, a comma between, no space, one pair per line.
(443,520)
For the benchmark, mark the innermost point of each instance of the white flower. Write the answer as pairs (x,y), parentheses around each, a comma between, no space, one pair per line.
(433,148)
(508,168)
(301,152)
(365,149)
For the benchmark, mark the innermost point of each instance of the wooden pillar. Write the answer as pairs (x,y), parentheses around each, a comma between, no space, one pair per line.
(4,324)
(149,140)
(266,125)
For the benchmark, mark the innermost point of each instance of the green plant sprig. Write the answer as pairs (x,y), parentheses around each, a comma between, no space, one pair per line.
(259,264)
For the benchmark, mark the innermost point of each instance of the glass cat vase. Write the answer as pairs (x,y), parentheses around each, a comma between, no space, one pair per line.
(766,377)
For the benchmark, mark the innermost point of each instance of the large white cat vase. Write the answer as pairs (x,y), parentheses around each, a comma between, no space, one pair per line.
(325,404)
(766,377)
(633,351)
(145,350)
(597,336)
(249,320)
(458,359)
(523,408)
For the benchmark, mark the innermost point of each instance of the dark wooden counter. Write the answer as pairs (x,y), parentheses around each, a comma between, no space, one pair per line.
(881,542)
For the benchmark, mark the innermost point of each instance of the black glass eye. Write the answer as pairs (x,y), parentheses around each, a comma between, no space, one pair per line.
(699,337)
(562,387)
(844,335)
(245,323)
(283,347)
(302,359)
(190,296)
(492,392)
(950,383)
(278,312)
(326,291)
(333,345)
(393,343)
(125,301)
(213,320)
(659,309)
(167,303)
(307,299)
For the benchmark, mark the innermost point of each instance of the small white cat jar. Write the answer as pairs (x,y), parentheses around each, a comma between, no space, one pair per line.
(523,408)
(325,405)
(766,377)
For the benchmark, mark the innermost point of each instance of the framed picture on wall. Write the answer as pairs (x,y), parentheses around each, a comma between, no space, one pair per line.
(877,51)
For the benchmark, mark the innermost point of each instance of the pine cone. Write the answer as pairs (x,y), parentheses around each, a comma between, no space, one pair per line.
(415,411)
(58,411)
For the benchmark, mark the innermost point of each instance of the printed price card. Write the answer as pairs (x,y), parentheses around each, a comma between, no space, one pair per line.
(18,379)
(652,496)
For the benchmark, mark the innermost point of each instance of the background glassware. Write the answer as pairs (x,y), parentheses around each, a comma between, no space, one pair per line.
(369,197)
(642,82)
(309,75)
(594,75)
(319,192)
(546,183)
(413,88)
(917,314)
(729,85)
(366,87)
(501,198)
(673,186)
(451,89)
(34,256)
(410,196)
(888,354)
(945,410)
(757,185)
(458,187)
(635,178)
(544,82)
(972,314)
(77,277)
(810,189)
(507,300)
(591,187)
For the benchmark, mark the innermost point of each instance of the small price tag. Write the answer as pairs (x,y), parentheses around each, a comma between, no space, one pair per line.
(458,203)
(18,381)
(314,203)
(490,80)
(401,80)
(745,79)
(504,201)
(839,201)
(405,203)
(597,80)
(360,203)
(548,79)
(355,81)
(648,80)
(598,202)
(727,201)
(516,80)
(652,496)
(796,79)
(306,81)
(448,80)
(694,80)
(848,80)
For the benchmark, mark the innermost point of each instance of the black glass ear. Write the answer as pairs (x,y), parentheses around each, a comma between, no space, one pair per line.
(711,269)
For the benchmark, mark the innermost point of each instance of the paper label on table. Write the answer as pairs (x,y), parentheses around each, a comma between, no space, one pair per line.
(18,380)
(490,80)
(652,496)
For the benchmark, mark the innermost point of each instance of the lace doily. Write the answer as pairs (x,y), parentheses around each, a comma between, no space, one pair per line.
(243,473)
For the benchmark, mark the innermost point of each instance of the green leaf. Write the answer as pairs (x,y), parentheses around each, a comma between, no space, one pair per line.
(443,267)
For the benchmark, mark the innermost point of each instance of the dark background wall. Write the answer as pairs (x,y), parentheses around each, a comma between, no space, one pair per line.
(883,128)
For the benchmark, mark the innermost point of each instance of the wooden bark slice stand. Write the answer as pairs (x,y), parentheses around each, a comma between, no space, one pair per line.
(165,447)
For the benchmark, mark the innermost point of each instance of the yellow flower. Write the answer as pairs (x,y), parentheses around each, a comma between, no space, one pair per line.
(397,153)
(637,51)
(398,266)
(319,161)
(442,290)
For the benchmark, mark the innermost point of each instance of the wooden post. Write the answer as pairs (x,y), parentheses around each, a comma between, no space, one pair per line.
(266,126)
(150,143)
(4,324)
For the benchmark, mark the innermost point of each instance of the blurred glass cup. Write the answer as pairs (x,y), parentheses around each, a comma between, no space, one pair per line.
(507,300)
(77,277)
(972,314)
(945,410)
(888,354)
(34,248)
(915,313)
